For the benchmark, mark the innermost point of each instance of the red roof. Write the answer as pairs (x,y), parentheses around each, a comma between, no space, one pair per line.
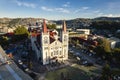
(35,34)
(52,33)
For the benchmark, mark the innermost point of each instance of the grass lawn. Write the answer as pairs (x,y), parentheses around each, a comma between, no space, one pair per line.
(75,72)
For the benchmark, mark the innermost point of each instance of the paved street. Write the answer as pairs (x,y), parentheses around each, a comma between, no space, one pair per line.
(10,71)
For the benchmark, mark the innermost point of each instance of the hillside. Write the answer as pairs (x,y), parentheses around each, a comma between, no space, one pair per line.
(117,19)
(12,22)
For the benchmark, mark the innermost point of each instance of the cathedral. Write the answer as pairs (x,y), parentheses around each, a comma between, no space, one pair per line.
(50,45)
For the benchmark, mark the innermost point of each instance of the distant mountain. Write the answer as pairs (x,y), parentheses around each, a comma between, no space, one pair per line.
(12,22)
(74,21)
(116,19)
(107,19)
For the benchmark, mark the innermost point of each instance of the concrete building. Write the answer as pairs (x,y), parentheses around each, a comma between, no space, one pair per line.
(49,46)
(84,31)
(114,41)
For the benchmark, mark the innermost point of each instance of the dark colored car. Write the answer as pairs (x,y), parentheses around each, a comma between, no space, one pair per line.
(89,64)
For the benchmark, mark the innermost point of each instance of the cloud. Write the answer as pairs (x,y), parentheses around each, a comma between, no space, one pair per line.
(46,9)
(96,11)
(67,4)
(81,9)
(63,10)
(85,8)
(111,15)
(19,3)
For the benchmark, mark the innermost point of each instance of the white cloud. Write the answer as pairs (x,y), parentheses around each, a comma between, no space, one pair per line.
(96,11)
(111,15)
(55,9)
(81,9)
(46,9)
(25,4)
(85,8)
(67,4)
(62,10)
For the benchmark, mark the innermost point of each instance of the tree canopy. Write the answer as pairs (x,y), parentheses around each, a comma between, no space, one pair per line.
(51,26)
(20,30)
(106,72)
(116,54)
(21,33)
(103,48)
(106,25)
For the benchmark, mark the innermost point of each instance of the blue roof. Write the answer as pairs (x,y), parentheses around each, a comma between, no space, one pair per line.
(11,50)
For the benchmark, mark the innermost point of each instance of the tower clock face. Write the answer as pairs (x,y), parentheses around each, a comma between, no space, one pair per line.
(45,40)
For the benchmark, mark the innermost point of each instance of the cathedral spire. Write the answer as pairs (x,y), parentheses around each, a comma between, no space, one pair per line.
(44,26)
(64,26)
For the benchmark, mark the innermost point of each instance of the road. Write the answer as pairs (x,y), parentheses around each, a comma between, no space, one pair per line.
(10,71)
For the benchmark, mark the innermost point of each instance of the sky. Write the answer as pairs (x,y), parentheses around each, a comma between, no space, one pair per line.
(59,9)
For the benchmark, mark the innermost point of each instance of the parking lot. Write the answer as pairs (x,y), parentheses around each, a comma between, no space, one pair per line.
(85,57)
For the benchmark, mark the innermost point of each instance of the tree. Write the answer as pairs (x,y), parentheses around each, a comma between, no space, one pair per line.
(20,30)
(4,41)
(103,49)
(106,72)
(116,55)
(106,25)
(51,26)
(21,33)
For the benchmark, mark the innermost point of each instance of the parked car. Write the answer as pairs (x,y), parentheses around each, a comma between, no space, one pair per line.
(24,67)
(77,53)
(100,62)
(90,54)
(83,61)
(33,75)
(89,64)
(24,55)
